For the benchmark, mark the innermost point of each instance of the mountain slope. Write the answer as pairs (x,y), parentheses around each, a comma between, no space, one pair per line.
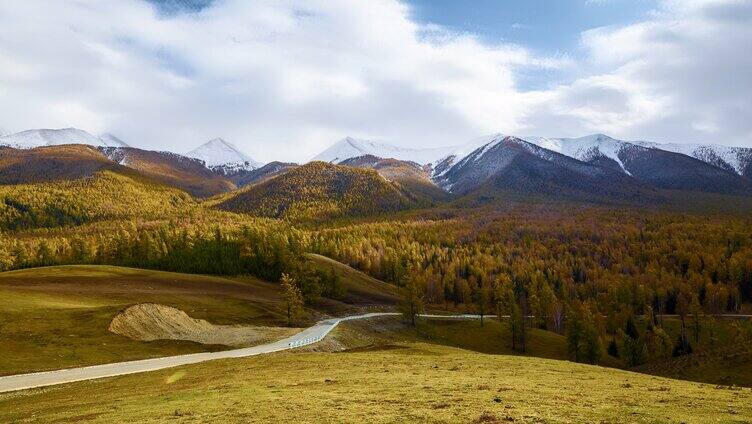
(510,164)
(223,157)
(186,173)
(51,163)
(111,140)
(650,165)
(413,178)
(106,194)
(242,178)
(593,148)
(676,171)
(49,137)
(733,159)
(318,191)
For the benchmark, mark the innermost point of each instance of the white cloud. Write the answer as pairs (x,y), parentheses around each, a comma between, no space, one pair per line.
(284,79)
(263,74)
(683,75)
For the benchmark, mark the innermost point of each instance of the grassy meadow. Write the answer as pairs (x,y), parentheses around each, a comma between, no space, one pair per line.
(57,317)
(404,382)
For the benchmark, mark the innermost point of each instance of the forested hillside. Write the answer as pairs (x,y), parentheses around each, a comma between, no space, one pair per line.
(415,180)
(105,195)
(52,163)
(319,191)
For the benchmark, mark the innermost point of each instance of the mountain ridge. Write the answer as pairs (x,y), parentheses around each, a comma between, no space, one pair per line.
(30,139)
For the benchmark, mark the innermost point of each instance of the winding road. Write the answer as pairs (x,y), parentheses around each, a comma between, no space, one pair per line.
(49,378)
(306,337)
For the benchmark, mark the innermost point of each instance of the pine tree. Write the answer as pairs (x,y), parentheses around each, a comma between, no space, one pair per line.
(411,304)
(293,298)
(482,299)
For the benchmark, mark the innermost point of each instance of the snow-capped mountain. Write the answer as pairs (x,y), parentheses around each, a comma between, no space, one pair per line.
(510,164)
(221,156)
(349,148)
(648,165)
(592,147)
(586,149)
(734,159)
(52,137)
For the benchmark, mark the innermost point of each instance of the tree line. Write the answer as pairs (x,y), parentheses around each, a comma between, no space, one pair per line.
(586,273)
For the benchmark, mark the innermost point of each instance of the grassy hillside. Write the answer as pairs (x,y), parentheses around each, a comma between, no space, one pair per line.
(319,191)
(105,195)
(57,317)
(407,382)
(362,289)
(730,364)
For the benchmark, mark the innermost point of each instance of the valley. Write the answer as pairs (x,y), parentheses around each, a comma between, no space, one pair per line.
(390,211)
(633,260)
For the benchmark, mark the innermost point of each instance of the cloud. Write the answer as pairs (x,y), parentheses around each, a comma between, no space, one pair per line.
(683,75)
(284,79)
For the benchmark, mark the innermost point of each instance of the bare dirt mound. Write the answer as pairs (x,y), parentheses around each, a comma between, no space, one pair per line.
(151,321)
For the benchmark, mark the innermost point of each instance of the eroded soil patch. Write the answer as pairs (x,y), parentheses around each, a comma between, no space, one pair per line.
(151,321)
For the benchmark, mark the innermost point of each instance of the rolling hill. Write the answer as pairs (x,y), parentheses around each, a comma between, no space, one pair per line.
(69,310)
(319,191)
(74,161)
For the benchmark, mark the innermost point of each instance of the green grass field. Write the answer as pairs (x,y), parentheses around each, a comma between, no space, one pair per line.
(406,382)
(362,289)
(57,317)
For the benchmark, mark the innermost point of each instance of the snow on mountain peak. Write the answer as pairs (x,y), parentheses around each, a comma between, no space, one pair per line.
(110,140)
(30,139)
(583,148)
(218,153)
(734,159)
(350,147)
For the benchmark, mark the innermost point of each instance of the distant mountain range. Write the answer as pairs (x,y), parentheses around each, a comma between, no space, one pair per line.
(517,163)
(217,154)
(591,166)
(734,159)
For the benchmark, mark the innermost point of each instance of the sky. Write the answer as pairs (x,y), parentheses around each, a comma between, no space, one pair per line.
(283,79)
